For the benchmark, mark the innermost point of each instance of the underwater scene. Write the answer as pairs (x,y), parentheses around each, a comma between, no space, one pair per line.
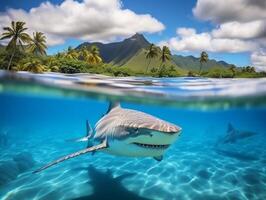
(195,138)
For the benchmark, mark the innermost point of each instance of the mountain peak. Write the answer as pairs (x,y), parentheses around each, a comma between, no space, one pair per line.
(119,52)
(138,37)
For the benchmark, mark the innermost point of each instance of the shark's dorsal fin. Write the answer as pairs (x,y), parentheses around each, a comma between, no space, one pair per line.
(112,105)
(230,128)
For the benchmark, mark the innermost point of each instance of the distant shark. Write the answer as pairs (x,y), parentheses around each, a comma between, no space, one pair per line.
(233,135)
(126,132)
(3,139)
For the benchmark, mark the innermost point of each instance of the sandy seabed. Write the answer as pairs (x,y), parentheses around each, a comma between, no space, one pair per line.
(190,170)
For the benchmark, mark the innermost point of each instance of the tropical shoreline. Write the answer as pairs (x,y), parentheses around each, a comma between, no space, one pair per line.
(26,53)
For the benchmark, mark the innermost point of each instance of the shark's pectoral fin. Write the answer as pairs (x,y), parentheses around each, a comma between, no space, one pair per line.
(103,145)
(83,139)
(158,158)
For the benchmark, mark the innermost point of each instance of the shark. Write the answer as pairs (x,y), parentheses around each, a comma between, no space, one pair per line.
(4,139)
(126,132)
(233,135)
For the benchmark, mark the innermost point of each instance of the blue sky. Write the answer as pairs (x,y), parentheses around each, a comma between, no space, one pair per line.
(170,22)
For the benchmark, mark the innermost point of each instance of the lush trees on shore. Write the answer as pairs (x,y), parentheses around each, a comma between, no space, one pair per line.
(203,59)
(37,45)
(18,37)
(27,53)
(152,52)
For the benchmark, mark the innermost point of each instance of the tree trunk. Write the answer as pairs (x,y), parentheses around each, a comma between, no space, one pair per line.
(200,68)
(10,61)
(160,70)
(160,66)
(148,66)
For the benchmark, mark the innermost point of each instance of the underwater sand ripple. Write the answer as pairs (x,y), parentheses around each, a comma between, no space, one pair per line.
(183,174)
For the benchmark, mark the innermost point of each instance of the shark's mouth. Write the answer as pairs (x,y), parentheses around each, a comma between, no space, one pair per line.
(153,146)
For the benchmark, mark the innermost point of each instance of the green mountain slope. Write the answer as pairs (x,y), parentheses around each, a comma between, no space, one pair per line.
(130,53)
(193,64)
(139,63)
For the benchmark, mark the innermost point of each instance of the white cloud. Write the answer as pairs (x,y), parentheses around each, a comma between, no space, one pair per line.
(258,59)
(100,20)
(188,40)
(230,10)
(246,30)
(185,32)
(240,27)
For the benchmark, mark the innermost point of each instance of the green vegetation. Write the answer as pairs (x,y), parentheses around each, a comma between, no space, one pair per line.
(29,54)
(37,44)
(136,58)
(139,62)
(18,36)
(234,72)
(165,55)
(152,52)
(203,59)
(70,54)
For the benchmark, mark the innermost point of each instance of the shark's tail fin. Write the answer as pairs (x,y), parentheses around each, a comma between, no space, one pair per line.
(230,128)
(89,134)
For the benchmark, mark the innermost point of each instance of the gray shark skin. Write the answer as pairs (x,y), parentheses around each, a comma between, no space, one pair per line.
(126,132)
(233,135)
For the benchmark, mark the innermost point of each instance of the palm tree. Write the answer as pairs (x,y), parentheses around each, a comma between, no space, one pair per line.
(71,53)
(84,53)
(151,53)
(165,55)
(252,70)
(249,69)
(203,58)
(94,57)
(91,55)
(233,70)
(37,45)
(34,66)
(18,37)
(59,55)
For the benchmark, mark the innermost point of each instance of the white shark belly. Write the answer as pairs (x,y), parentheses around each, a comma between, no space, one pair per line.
(119,148)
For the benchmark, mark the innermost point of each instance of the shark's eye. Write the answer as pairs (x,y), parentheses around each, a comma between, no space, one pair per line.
(132,130)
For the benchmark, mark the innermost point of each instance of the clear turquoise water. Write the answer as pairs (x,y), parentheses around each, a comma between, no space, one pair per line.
(39,114)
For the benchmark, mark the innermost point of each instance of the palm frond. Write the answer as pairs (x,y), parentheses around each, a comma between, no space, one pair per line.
(5,36)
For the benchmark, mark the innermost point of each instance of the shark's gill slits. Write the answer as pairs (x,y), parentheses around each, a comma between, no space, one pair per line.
(154,146)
